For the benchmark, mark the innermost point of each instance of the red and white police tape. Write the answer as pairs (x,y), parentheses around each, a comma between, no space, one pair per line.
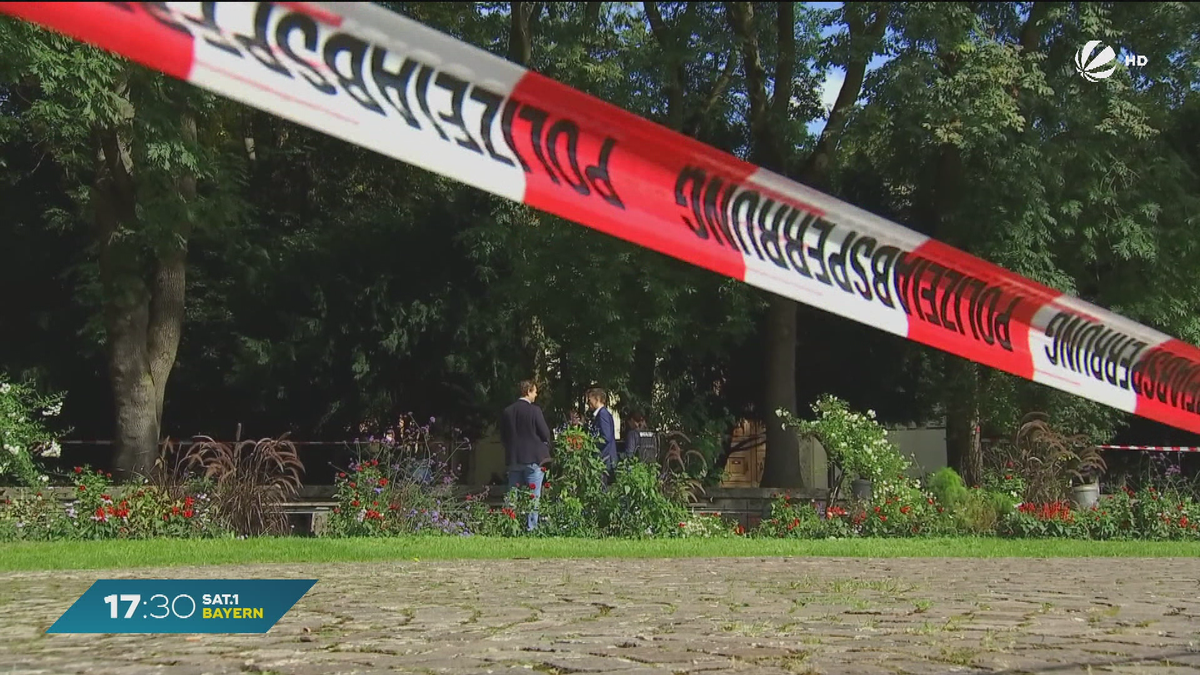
(371,77)
(1151,448)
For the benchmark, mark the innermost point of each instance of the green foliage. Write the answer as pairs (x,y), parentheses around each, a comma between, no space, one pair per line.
(638,506)
(982,511)
(800,520)
(1148,514)
(947,487)
(100,510)
(23,432)
(855,442)
(329,286)
(383,496)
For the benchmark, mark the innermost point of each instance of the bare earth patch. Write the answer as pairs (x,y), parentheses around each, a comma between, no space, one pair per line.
(750,616)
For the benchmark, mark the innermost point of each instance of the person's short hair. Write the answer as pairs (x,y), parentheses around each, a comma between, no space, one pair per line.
(637,420)
(526,387)
(597,394)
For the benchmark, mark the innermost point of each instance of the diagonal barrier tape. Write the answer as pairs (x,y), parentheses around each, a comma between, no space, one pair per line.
(373,78)
(1150,448)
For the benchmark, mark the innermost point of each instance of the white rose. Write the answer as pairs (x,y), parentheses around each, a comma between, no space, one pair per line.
(45,479)
(5,388)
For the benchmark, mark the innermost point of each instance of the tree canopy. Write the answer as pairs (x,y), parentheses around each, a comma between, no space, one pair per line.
(180,263)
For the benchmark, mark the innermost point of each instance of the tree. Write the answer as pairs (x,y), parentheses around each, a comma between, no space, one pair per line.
(131,152)
(985,138)
(769,130)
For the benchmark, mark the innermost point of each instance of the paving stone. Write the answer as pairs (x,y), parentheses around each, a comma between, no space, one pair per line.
(638,617)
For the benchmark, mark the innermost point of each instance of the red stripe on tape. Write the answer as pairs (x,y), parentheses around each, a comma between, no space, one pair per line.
(325,17)
(1167,382)
(645,159)
(971,308)
(136,30)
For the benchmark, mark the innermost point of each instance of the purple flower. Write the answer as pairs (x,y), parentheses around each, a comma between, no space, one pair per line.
(378,490)
(432,420)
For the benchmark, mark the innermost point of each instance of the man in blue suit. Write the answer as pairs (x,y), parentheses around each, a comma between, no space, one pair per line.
(603,428)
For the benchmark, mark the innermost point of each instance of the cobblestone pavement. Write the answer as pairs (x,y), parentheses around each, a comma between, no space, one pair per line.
(760,616)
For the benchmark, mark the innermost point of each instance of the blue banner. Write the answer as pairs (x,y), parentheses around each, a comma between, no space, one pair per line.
(182,606)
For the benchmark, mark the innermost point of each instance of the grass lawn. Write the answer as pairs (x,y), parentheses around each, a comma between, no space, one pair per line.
(23,556)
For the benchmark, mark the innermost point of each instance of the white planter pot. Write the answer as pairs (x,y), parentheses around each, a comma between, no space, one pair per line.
(1086,496)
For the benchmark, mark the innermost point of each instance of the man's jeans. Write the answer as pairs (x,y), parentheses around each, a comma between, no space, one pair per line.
(524,475)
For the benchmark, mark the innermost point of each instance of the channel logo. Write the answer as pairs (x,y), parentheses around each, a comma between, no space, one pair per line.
(1095,67)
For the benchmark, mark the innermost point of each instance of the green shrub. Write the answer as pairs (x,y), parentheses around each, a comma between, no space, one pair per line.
(948,487)
(636,505)
(802,520)
(982,511)
(100,510)
(23,432)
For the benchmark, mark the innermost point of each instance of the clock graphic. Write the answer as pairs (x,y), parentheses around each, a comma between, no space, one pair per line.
(113,606)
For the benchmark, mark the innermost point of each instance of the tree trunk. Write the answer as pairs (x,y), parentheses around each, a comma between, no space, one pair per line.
(641,381)
(520,34)
(143,320)
(782,462)
(963,450)
(782,467)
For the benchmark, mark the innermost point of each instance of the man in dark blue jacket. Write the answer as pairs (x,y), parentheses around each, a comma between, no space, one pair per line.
(603,427)
(527,440)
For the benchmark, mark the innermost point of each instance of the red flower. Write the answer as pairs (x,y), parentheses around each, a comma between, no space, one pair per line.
(374,503)
(106,498)
(353,485)
(683,524)
(82,488)
(470,497)
(1183,521)
(930,500)
(533,486)
(188,501)
(341,474)
(905,509)
(876,509)
(337,509)
(1008,478)
(79,469)
(882,518)
(108,475)
(100,515)
(166,517)
(188,513)
(175,510)
(383,482)
(393,507)
(354,503)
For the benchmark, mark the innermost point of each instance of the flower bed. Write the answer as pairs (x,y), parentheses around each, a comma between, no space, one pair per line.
(100,510)
(399,487)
